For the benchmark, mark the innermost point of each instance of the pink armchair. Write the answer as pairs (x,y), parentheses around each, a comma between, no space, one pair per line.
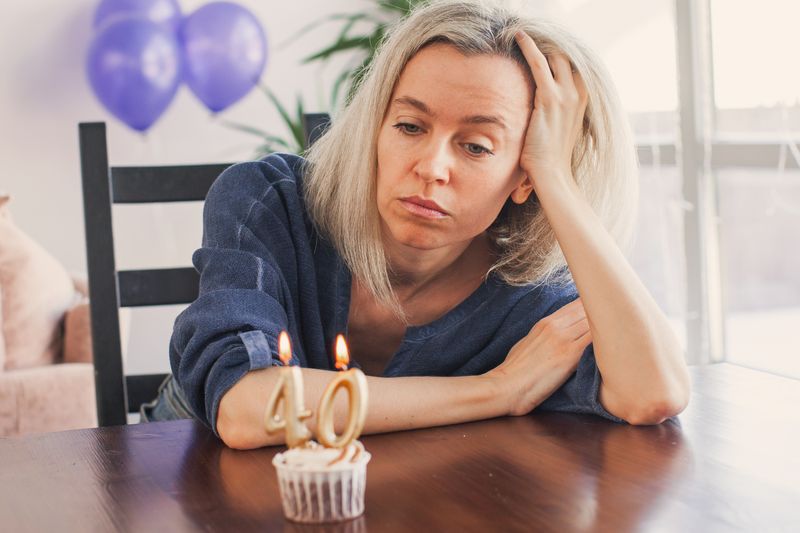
(57,393)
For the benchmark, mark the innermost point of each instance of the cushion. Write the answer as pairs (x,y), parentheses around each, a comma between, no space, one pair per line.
(47,398)
(78,334)
(37,291)
(2,337)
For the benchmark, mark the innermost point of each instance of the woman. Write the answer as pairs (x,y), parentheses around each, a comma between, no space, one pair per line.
(428,224)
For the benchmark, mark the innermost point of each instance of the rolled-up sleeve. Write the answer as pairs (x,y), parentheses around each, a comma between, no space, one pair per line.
(245,293)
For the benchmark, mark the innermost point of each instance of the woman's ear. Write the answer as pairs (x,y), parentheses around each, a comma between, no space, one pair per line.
(523,191)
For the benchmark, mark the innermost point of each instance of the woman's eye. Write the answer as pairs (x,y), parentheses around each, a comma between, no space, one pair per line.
(405,127)
(477,149)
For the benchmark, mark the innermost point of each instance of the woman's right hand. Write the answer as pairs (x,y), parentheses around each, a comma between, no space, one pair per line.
(544,359)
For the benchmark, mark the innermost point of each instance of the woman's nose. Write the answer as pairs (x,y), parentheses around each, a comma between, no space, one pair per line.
(435,162)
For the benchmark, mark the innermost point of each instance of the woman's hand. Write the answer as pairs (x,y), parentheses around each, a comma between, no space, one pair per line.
(559,105)
(544,359)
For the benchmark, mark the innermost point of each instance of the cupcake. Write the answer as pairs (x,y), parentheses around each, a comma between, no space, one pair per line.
(320,484)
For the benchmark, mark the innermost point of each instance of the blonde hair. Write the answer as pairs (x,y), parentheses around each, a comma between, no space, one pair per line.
(340,181)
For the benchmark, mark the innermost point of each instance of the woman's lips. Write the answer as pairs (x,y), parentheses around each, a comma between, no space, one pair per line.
(422,207)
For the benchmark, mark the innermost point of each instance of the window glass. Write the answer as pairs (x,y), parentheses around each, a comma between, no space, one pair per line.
(658,251)
(757,91)
(756,86)
(759,234)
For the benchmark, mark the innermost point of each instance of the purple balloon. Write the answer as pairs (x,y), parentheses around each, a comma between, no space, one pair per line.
(166,12)
(134,68)
(225,51)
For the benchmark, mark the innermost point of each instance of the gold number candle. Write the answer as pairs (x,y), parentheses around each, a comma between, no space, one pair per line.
(288,392)
(355,383)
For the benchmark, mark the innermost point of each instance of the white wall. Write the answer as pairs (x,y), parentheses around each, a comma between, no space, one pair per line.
(44,94)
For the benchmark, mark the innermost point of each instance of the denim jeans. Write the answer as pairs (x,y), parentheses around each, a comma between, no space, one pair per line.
(169,405)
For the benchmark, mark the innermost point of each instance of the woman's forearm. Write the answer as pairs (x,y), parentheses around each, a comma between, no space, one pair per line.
(394,404)
(638,355)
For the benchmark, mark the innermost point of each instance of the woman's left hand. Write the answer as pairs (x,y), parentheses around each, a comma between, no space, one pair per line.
(559,105)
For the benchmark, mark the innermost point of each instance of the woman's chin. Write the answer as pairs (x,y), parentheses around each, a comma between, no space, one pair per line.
(403,232)
(420,242)
(418,238)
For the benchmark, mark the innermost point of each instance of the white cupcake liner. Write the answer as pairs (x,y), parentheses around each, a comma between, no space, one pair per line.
(329,495)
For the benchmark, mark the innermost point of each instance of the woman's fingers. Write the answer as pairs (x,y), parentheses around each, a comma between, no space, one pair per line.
(570,313)
(582,342)
(578,329)
(544,359)
(551,71)
(574,315)
(562,70)
(583,97)
(562,318)
(571,83)
(536,60)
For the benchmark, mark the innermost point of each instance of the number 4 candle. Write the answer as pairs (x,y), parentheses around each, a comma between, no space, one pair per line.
(288,392)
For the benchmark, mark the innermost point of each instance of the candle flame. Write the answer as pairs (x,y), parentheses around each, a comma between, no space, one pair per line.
(342,355)
(284,348)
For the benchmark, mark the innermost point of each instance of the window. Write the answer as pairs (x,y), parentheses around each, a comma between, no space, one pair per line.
(757,93)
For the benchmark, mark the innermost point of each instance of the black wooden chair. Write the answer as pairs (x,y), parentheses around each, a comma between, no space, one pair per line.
(109,288)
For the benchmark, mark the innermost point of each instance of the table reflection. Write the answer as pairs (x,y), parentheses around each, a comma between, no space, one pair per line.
(534,471)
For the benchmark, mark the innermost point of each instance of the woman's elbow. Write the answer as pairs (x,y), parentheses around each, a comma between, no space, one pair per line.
(660,408)
(234,435)
(666,396)
(233,427)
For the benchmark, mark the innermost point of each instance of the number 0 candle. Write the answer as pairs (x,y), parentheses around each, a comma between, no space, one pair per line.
(355,383)
(288,392)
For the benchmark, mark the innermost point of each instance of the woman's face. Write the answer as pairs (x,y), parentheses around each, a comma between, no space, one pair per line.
(452,135)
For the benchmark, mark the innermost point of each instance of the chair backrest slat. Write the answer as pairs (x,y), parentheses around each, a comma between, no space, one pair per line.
(166,286)
(184,183)
(314,126)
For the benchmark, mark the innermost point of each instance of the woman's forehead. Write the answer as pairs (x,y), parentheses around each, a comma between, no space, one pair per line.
(440,80)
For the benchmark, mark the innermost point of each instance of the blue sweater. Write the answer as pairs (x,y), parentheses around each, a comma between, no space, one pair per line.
(263,268)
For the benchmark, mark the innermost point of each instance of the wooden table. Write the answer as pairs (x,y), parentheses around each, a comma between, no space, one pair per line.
(730,463)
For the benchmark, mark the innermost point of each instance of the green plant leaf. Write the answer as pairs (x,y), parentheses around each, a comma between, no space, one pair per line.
(299,130)
(346,27)
(337,85)
(244,128)
(354,75)
(294,125)
(275,140)
(287,120)
(362,41)
(271,143)
(367,17)
(376,38)
(268,148)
